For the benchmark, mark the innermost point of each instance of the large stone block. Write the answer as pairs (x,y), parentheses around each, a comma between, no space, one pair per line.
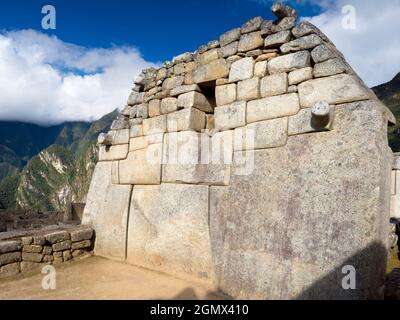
(229,36)
(274,85)
(211,71)
(261,135)
(230,116)
(242,69)
(225,94)
(277,39)
(189,118)
(169,233)
(330,67)
(188,157)
(106,210)
(196,100)
(142,166)
(155,125)
(276,218)
(289,62)
(250,41)
(334,90)
(154,108)
(272,107)
(304,122)
(10,257)
(168,105)
(111,153)
(229,50)
(303,43)
(9,246)
(297,76)
(248,89)
(120,136)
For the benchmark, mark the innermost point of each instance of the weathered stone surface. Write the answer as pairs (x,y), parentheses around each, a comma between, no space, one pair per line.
(277,39)
(289,62)
(283,11)
(306,28)
(225,94)
(155,125)
(187,159)
(189,118)
(141,111)
(120,123)
(84,244)
(111,153)
(242,69)
(322,53)
(32,248)
(248,89)
(120,136)
(230,116)
(183,89)
(329,68)
(169,105)
(47,258)
(229,50)
(67,255)
(196,100)
(9,246)
(270,27)
(154,108)
(30,266)
(261,69)
(183,57)
(209,56)
(57,236)
(211,71)
(172,82)
(303,43)
(58,257)
(250,41)
(334,90)
(272,107)
(300,75)
(25,241)
(274,85)
(32,257)
(261,135)
(142,166)
(9,270)
(229,36)
(82,234)
(252,25)
(106,211)
(138,143)
(10,257)
(61,246)
(306,168)
(135,98)
(47,250)
(136,131)
(169,233)
(304,122)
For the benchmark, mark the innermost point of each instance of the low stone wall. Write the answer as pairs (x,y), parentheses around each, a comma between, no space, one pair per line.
(11,220)
(31,252)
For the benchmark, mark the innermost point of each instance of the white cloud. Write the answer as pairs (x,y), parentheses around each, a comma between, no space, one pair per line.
(373,47)
(46,81)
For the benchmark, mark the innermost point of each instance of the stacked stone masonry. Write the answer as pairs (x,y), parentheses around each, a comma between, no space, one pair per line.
(228,163)
(32,253)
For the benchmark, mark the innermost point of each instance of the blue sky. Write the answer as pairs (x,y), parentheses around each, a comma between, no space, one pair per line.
(85,68)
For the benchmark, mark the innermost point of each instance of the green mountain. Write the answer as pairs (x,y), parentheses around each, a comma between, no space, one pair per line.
(389,94)
(58,173)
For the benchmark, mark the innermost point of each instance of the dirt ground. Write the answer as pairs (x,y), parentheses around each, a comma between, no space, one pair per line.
(99,278)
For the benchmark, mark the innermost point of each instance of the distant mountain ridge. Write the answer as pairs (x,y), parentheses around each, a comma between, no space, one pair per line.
(389,94)
(44,167)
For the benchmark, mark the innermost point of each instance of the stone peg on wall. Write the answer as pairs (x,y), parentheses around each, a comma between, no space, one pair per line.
(320,114)
(105,139)
(282,11)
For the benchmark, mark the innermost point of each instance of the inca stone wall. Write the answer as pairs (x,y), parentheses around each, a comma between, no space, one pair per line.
(260,162)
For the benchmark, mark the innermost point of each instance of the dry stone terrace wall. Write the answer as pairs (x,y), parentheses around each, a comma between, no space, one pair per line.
(252,162)
(30,253)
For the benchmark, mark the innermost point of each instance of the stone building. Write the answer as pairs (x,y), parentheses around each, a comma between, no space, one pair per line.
(260,162)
